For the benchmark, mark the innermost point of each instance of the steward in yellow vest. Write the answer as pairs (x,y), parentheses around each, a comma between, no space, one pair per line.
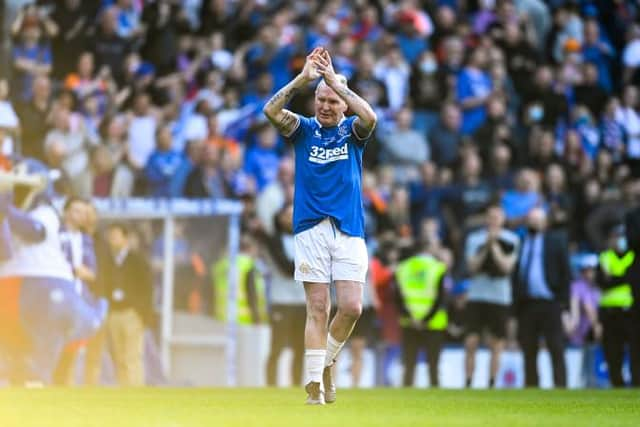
(420,296)
(615,302)
(251,293)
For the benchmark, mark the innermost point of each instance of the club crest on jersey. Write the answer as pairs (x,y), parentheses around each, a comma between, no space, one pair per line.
(343,131)
(323,155)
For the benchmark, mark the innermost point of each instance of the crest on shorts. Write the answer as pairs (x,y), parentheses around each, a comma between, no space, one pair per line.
(304,268)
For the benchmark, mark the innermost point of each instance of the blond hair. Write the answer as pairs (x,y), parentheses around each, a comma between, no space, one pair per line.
(340,77)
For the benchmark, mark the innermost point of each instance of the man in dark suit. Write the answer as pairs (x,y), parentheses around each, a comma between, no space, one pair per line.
(128,284)
(541,294)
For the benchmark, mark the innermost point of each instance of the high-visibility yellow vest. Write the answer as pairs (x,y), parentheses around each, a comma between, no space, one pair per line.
(418,279)
(220,272)
(615,266)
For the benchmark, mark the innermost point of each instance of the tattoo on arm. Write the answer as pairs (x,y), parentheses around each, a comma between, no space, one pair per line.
(285,121)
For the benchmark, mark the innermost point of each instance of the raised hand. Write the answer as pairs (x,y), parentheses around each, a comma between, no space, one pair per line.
(310,71)
(325,67)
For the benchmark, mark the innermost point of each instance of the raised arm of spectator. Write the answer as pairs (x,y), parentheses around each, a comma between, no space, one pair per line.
(366,121)
(504,261)
(284,120)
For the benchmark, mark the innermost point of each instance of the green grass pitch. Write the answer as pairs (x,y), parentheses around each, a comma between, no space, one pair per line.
(164,407)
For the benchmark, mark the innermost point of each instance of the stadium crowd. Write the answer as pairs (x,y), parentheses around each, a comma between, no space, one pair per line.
(507,146)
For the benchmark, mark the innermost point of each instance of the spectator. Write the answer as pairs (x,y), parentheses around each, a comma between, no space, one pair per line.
(83,82)
(74,19)
(165,166)
(599,53)
(143,125)
(628,117)
(427,86)
(541,295)
(473,88)
(631,54)
(557,197)
(206,180)
(501,176)
(109,178)
(583,324)
(425,196)
(76,150)
(543,105)
(272,198)
(519,202)
(521,57)
(110,49)
(393,71)
(491,255)
(404,148)
(31,56)
(9,122)
(366,83)
(445,138)
(612,132)
(287,309)
(261,160)
(128,284)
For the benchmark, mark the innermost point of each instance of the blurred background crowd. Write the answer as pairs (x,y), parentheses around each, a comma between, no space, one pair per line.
(524,111)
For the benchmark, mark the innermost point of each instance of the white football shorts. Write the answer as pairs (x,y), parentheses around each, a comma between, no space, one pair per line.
(323,254)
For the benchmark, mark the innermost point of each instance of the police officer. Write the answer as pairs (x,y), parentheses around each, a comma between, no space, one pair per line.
(615,302)
(420,299)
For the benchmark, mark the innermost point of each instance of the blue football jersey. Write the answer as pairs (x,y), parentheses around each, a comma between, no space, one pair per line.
(328,179)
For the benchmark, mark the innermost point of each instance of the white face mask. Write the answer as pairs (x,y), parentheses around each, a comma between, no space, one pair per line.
(622,244)
(428,66)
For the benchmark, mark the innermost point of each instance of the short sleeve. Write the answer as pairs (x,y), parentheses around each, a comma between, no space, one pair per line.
(304,123)
(359,139)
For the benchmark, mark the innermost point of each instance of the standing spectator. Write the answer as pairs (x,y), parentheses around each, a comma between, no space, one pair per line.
(31,58)
(519,202)
(585,296)
(366,83)
(287,309)
(542,104)
(73,18)
(427,90)
(445,138)
(262,159)
(597,51)
(9,121)
(541,294)
(393,71)
(615,303)
(557,196)
(521,57)
(162,22)
(128,284)
(110,49)
(473,89)
(272,198)
(491,255)
(206,180)
(627,116)
(142,131)
(404,148)
(420,300)
(165,167)
(76,150)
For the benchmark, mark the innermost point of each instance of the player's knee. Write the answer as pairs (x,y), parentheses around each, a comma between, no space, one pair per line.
(317,311)
(351,310)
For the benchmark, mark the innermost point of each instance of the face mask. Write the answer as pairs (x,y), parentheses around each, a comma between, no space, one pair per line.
(428,66)
(622,244)
(536,113)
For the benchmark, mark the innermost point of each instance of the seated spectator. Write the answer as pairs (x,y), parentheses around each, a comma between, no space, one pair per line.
(589,92)
(612,133)
(501,174)
(428,88)
(31,56)
(165,169)
(393,71)
(366,84)
(404,148)
(425,196)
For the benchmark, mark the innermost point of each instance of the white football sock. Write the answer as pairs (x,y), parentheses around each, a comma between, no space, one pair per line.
(333,348)
(314,362)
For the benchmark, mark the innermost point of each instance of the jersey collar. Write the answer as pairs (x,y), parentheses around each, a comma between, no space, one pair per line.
(339,123)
